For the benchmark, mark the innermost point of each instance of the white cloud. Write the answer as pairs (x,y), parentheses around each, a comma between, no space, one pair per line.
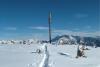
(68,32)
(76,29)
(62,31)
(79,15)
(88,27)
(39,28)
(11,28)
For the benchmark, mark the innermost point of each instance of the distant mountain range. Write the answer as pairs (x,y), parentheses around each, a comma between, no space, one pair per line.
(89,41)
(63,39)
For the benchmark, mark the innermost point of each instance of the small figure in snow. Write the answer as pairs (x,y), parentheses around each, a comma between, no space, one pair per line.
(80,51)
(38,51)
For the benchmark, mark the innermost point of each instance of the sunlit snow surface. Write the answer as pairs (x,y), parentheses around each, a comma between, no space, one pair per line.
(23,56)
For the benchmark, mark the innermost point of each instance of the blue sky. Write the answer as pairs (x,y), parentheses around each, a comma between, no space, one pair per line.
(29,18)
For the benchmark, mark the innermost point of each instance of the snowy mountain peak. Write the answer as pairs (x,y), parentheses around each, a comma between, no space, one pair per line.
(70,39)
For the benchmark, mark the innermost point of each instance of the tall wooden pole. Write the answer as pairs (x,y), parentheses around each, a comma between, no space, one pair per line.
(49,22)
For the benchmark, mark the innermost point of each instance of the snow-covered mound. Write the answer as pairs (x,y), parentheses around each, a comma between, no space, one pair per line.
(66,40)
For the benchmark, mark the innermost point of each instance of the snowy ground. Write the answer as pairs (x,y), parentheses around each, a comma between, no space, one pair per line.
(22,56)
